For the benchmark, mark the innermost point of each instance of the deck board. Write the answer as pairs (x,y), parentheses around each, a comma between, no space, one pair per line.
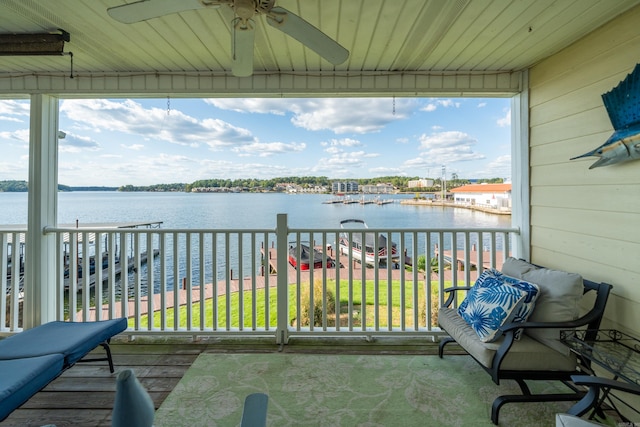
(84,394)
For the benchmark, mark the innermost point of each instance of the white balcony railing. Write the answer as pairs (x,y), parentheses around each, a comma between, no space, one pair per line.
(240,282)
(12,260)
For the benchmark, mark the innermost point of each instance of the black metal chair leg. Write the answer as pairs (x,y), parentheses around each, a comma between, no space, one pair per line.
(523,387)
(107,350)
(444,341)
(517,398)
(107,358)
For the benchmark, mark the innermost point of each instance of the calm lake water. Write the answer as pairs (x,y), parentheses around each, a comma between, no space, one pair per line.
(243,210)
(239,211)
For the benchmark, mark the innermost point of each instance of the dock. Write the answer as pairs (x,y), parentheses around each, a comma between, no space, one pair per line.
(363,201)
(473,259)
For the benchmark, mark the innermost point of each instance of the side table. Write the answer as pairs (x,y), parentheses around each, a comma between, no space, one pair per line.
(615,352)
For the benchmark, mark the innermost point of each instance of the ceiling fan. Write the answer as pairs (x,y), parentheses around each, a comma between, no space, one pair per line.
(243,26)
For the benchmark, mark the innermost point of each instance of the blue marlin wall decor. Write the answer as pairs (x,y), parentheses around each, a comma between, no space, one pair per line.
(623,106)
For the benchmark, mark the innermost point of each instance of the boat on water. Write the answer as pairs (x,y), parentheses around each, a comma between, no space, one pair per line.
(117,268)
(74,267)
(352,241)
(308,257)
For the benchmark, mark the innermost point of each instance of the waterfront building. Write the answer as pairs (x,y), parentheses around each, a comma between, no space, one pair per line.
(493,196)
(420,183)
(379,188)
(344,187)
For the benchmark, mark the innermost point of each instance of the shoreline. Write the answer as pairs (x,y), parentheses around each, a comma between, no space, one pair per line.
(415,202)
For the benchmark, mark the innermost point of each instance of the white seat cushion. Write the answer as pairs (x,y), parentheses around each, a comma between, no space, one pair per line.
(525,354)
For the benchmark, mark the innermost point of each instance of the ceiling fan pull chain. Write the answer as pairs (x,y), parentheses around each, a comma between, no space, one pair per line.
(168,105)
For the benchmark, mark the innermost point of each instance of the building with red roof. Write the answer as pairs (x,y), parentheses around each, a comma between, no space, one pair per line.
(494,196)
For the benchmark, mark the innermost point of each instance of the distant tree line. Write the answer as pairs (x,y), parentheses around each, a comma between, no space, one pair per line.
(154,188)
(89,188)
(253,184)
(13,186)
(259,184)
(23,186)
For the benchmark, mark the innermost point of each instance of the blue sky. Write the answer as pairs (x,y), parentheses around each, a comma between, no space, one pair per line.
(113,142)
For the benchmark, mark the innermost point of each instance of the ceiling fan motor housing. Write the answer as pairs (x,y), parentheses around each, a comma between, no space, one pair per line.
(245,9)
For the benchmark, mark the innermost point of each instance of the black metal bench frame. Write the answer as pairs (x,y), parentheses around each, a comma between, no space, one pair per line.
(592,321)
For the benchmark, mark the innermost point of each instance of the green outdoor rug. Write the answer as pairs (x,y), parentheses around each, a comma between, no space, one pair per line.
(348,390)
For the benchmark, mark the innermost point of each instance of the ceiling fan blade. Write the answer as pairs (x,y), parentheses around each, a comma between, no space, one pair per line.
(242,39)
(148,9)
(296,27)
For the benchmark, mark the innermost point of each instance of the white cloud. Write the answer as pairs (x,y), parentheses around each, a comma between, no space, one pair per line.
(14,170)
(117,142)
(360,115)
(134,147)
(433,104)
(500,167)
(130,117)
(339,115)
(333,150)
(445,139)
(142,170)
(21,135)
(225,169)
(506,120)
(15,111)
(10,119)
(336,145)
(445,147)
(278,106)
(73,143)
(387,171)
(267,149)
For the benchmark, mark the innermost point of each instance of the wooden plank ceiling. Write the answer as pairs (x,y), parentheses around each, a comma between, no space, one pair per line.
(384,37)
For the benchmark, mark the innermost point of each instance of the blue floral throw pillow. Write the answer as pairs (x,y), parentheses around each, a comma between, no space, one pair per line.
(526,307)
(490,303)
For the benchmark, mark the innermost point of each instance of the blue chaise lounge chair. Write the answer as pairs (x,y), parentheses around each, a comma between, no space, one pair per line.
(33,358)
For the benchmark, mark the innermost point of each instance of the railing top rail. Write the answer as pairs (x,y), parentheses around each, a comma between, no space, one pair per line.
(408,230)
(273,230)
(156,230)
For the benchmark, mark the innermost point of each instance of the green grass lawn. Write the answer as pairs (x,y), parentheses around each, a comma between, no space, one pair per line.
(228,306)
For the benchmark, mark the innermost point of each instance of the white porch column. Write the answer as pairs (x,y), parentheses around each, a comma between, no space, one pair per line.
(520,170)
(282,242)
(40,295)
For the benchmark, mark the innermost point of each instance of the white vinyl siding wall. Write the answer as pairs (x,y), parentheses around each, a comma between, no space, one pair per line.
(582,220)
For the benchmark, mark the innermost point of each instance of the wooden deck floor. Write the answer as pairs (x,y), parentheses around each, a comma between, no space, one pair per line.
(84,394)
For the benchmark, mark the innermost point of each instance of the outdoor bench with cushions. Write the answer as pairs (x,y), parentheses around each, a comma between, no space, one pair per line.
(526,345)
(33,358)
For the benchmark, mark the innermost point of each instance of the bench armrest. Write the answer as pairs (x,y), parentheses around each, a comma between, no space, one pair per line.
(607,383)
(457,288)
(451,293)
(584,320)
